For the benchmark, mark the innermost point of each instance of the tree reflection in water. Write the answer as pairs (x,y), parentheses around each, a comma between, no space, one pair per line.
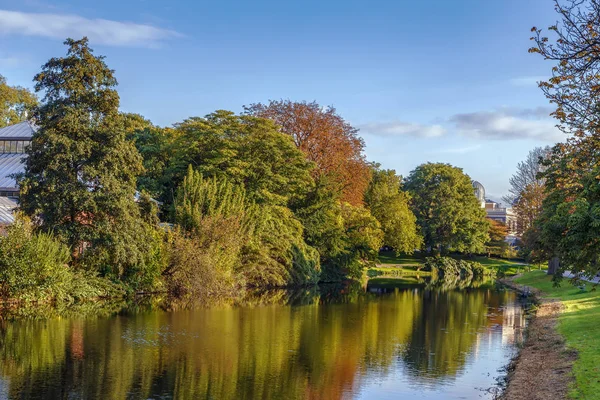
(318,343)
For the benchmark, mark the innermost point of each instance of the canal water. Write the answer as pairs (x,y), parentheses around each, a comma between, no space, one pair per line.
(341,342)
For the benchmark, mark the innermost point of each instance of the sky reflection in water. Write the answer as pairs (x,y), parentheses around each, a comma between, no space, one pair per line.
(320,343)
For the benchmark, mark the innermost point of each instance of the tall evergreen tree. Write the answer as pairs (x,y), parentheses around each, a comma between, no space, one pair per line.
(80,176)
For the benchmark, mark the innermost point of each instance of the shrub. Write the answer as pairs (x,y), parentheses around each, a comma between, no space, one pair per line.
(34,267)
(478,269)
(199,265)
(447,266)
(444,266)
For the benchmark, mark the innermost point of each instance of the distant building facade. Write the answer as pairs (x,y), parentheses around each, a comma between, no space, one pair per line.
(13,141)
(496,212)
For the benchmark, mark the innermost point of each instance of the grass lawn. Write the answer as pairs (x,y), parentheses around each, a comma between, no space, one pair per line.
(409,263)
(509,267)
(389,258)
(580,325)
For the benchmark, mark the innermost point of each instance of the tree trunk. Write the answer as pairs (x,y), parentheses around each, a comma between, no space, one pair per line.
(553,265)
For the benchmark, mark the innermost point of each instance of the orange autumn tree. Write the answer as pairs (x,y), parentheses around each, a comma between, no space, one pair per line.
(326,139)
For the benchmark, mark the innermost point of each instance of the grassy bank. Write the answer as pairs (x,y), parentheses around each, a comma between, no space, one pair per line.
(579,323)
(390,264)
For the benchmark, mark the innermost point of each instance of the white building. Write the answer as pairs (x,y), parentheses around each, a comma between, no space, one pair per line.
(496,212)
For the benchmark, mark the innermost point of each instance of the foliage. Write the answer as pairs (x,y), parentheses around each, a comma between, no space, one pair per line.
(16,103)
(213,226)
(247,150)
(203,265)
(448,267)
(448,213)
(33,267)
(157,147)
(528,206)
(278,254)
(261,244)
(320,212)
(346,237)
(364,238)
(390,205)
(573,87)
(361,240)
(497,233)
(199,198)
(80,173)
(567,226)
(326,139)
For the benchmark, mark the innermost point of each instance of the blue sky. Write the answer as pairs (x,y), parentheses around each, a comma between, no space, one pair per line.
(437,80)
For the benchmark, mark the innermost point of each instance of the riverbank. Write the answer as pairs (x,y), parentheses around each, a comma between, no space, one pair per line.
(542,368)
(403,264)
(577,324)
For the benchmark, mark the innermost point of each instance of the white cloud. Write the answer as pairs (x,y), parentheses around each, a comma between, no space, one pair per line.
(99,31)
(507,125)
(399,128)
(527,80)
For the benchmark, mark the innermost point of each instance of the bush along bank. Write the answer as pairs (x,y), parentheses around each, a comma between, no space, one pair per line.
(448,267)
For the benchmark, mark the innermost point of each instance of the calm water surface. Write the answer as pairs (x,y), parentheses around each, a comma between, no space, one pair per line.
(327,343)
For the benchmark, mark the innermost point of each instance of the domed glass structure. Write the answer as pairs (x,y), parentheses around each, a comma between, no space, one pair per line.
(479,191)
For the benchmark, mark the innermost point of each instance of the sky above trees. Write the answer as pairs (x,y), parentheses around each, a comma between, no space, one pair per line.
(433,80)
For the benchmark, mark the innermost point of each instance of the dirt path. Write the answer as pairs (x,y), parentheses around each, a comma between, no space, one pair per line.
(543,368)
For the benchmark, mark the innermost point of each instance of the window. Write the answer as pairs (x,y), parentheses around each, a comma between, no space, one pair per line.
(14,146)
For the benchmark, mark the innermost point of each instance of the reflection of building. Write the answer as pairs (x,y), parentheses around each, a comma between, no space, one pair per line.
(495,210)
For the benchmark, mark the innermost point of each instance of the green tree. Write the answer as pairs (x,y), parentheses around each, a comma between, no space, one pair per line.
(247,150)
(157,146)
(566,229)
(497,233)
(16,103)
(320,212)
(364,238)
(390,205)
(80,173)
(447,211)
(278,255)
